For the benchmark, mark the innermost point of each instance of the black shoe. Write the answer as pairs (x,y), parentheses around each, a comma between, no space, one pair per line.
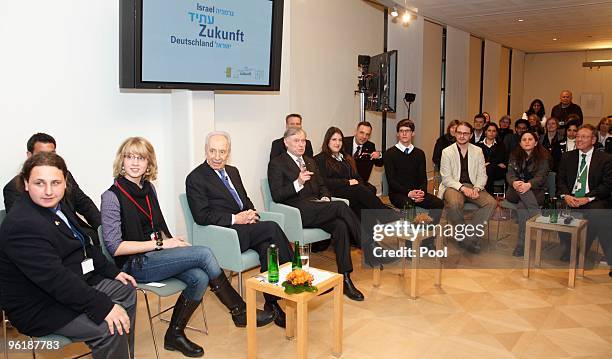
(429,243)
(519,251)
(610,273)
(233,301)
(277,311)
(350,290)
(565,257)
(175,338)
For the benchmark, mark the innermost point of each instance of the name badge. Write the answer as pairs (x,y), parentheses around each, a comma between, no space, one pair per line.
(577,187)
(87,265)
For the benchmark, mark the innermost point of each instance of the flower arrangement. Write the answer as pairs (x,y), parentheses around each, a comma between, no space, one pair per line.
(299,281)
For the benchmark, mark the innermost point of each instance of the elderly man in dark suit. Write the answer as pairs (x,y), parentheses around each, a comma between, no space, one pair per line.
(584,182)
(295,181)
(278,145)
(363,150)
(75,199)
(217,196)
(53,280)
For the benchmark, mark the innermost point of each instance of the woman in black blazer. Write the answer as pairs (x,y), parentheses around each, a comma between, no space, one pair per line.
(338,171)
(527,176)
(494,154)
(53,280)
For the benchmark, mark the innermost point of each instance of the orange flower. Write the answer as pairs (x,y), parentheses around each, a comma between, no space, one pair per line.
(300,277)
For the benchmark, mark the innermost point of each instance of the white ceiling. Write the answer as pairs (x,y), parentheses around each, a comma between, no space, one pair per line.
(577,25)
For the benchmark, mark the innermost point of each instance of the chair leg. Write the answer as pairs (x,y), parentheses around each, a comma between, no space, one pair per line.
(144,292)
(240,283)
(204,317)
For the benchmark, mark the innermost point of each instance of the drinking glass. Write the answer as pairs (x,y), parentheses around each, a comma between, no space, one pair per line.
(305,256)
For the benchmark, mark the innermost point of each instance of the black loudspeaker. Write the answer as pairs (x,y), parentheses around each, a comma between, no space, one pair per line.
(363,61)
(410,97)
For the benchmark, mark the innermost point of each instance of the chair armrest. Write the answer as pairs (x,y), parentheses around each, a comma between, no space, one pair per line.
(279,218)
(292,221)
(348,203)
(222,241)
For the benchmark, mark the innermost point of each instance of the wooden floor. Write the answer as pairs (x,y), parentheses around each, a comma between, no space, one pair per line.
(487,312)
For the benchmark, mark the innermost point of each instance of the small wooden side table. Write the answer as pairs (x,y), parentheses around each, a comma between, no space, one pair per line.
(578,233)
(416,244)
(295,304)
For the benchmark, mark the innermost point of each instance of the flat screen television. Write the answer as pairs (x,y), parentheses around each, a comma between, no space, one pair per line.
(200,45)
(381,85)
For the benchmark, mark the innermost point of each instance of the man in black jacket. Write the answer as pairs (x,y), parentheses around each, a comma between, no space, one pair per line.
(565,108)
(75,199)
(363,150)
(217,196)
(295,181)
(278,145)
(584,182)
(53,280)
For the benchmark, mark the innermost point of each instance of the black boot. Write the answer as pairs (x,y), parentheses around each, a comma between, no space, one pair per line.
(279,316)
(350,290)
(233,301)
(175,338)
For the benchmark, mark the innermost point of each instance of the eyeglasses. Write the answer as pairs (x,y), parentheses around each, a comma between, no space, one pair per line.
(133,157)
(405,131)
(459,133)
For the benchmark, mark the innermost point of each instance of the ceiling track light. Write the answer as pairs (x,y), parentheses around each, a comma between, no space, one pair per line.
(394,12)
(406,17)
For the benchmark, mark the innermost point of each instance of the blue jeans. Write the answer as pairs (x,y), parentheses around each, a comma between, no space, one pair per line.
(193,265)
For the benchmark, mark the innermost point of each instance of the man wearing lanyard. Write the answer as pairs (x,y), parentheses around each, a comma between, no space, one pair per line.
(584,182)
(53,280)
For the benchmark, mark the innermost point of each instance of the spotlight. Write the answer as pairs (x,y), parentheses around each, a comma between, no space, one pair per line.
(394,12)
(406,17)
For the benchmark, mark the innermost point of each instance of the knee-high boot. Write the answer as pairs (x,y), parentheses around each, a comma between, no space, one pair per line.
(233,301)
(175,338)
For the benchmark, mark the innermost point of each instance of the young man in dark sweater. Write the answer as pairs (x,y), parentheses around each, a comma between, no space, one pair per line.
(405,168)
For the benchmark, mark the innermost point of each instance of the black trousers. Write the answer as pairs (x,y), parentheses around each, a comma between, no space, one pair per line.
(337,219)
(597,213)
(429,202)
(494,173)
(259,236)
(360,197)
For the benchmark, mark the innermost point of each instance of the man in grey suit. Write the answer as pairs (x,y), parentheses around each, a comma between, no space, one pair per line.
(464,177)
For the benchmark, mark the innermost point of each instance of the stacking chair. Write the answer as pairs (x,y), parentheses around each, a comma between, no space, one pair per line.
(171,287)
(224,242)
(293,220)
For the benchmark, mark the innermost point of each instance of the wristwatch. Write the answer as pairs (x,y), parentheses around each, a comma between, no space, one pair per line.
(159,245)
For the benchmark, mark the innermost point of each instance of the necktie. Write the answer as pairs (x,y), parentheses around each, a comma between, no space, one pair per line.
(301,164)
(583,177)
(232,191)
(407,150)
(78,235)
(357,152)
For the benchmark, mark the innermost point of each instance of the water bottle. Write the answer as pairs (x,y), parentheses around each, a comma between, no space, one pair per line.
(546,205)
(272,264)
(409,211)
(297,262)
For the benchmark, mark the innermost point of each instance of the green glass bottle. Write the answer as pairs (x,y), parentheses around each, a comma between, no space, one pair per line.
(272,264)
(296,263)
(554,214)
(546,205)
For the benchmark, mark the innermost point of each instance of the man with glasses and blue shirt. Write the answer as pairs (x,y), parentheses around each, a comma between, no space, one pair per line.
(464,178)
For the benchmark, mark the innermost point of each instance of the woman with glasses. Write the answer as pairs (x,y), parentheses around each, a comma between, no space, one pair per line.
(136,234)
(527,176)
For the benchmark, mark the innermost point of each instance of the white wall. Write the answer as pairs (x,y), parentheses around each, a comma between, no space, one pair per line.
(65,82)
(546,75)
(517,84)
(457,74)
(490,84)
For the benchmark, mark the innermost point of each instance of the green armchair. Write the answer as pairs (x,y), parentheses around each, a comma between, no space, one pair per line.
(223,241)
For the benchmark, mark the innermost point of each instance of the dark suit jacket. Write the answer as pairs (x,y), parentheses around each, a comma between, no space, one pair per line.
(278,147)
(43,287)
(600,174)
(74,198)
(475,140)
(209,200)
(363,163)
(282,171)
